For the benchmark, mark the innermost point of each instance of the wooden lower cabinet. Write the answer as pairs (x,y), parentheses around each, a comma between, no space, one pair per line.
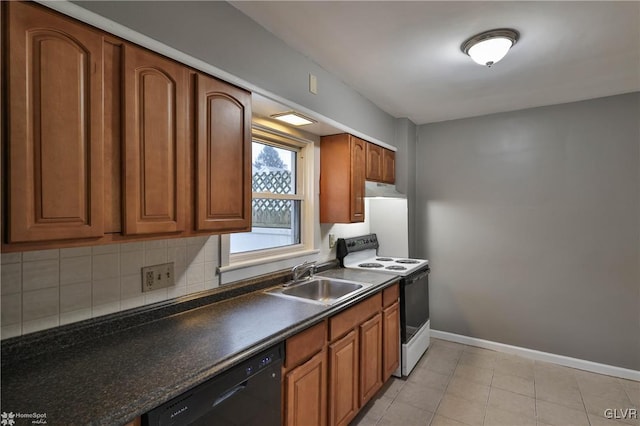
(343,379)
(370,358)
(306,393)
(333,368)
(390,340)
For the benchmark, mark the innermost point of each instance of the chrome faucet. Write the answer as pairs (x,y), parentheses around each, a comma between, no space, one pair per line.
(298,271)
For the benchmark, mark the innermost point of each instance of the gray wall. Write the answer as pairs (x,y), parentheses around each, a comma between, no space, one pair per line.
(405,140)
(217,33)
(531,220)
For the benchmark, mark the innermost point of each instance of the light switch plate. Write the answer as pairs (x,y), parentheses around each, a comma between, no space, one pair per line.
(313,84)
(157,276)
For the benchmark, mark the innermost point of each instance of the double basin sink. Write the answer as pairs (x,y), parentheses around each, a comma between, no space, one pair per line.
(320,290)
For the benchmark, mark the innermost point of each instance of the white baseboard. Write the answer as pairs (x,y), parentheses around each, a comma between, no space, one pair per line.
(566,361)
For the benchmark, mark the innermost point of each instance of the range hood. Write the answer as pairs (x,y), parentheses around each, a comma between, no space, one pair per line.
(381,190)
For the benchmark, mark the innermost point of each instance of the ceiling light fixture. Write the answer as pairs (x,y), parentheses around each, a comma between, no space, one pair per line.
(489,47)
(293,118)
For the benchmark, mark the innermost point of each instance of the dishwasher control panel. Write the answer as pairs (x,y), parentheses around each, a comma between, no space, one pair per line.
(261,363)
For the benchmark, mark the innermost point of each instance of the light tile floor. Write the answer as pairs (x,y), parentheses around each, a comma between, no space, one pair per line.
(457,385)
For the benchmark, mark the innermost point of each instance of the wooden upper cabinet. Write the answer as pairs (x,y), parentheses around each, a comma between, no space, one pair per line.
(358,171)
(223,156)
(374,162)
(381,164)
(112,54)
(388,166)
(155,143)
(106,139)
(54,109)
(342,176)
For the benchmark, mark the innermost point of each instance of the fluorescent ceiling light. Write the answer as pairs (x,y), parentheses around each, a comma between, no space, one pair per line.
(491,46)
(293,118)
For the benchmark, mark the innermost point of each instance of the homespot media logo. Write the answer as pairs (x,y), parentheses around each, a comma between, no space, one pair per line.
(9,419)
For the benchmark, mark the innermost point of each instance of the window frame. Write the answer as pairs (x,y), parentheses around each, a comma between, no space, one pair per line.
(304,193)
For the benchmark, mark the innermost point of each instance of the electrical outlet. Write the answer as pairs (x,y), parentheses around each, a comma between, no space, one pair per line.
(332,240)
(157,276)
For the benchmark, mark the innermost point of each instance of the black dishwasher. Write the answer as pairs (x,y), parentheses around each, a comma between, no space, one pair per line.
(247,394)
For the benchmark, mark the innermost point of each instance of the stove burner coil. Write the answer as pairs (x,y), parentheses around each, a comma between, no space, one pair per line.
(408,261)
(370,265)
(384,259)
(396,268)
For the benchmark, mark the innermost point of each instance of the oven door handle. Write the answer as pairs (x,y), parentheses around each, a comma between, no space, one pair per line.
(419,277)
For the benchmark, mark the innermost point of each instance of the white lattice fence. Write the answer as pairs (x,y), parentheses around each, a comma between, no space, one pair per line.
(270,213)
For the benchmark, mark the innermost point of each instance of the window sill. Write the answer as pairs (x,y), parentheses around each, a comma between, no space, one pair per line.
(268,259)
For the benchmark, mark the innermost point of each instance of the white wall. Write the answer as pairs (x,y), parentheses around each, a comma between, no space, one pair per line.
(342,230)
(219,34)
(531,222)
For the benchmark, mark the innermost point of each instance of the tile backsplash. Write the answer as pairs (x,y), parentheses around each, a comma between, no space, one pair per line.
(47,288)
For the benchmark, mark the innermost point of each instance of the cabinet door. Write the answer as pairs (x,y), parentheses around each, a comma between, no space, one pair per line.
(155,143)
(390,340)
(306,393)
(358,166)
(370,358)
(55,188)
(388,166)
(374,162)
(343,380)
(223,160)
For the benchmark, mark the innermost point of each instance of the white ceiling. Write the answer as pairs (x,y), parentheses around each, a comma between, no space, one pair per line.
(406,58)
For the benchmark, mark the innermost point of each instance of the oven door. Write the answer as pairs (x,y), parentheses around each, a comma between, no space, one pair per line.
(414,303)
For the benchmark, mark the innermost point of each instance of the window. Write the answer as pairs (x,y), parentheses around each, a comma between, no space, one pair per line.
(278,202)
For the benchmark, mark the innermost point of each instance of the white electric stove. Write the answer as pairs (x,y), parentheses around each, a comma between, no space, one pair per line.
(361,253)
(368,260)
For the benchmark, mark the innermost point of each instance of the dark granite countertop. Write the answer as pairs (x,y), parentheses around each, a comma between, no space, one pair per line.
(114,378)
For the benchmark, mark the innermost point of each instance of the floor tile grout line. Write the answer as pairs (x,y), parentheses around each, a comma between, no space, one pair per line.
(404,382)
(492,387)
(445,388)
(535,395)
(584,405)
(486,407)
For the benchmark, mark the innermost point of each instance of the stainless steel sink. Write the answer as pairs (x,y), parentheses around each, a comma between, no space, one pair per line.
(325,291)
